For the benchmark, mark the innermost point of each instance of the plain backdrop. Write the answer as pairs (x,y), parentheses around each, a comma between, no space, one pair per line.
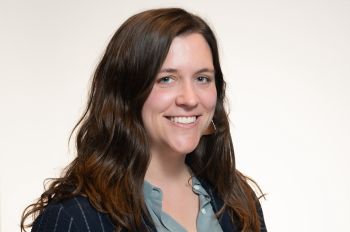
(287,68)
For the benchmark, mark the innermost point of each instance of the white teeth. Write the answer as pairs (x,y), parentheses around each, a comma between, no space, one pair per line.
(184,120)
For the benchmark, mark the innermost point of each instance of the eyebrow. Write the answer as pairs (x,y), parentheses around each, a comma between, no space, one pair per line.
(172,70)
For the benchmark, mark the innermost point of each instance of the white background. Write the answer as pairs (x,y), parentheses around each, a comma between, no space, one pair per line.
(287,68)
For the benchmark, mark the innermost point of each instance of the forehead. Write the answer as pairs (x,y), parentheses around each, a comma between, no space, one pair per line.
(189,51)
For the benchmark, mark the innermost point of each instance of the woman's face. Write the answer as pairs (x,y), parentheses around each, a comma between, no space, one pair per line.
(182,102)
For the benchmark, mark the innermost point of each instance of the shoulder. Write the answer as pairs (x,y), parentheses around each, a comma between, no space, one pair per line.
(261,217)
(72,215)
(225,218)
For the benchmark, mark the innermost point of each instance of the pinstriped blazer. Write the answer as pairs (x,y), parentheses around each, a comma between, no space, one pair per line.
(78,215)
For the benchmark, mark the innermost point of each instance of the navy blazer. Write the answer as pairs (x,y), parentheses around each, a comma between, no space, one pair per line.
(78,215)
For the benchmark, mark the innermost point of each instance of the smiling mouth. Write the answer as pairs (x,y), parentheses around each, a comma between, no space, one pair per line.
(183,119)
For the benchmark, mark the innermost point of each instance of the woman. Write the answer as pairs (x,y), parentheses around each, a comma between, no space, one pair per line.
(154,150)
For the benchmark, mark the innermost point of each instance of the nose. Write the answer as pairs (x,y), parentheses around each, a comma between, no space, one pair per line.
(187,96)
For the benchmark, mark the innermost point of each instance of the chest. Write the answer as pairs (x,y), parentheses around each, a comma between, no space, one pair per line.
(183,207)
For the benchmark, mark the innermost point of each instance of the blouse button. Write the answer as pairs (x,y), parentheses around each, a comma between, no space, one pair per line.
(203,211)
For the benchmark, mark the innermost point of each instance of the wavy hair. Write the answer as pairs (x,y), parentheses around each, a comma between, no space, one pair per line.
(112,145)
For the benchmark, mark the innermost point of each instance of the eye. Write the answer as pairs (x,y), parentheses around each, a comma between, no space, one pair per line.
(203,79)
(165,80)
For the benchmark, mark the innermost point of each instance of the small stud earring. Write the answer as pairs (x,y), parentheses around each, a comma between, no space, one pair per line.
(211,129)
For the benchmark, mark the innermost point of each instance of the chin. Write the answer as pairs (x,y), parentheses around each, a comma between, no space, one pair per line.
(184,147)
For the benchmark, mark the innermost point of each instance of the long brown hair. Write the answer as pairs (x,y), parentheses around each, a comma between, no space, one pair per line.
(112,145)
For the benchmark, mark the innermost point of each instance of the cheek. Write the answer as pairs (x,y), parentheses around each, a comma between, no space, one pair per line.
(157,102)
(209,99)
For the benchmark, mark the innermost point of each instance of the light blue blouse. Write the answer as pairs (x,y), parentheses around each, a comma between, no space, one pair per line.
(206,219)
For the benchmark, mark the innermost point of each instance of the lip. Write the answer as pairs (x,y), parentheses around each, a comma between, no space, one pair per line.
(182,115)
(184,125)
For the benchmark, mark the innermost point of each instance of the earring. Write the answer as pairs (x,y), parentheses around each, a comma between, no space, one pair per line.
(211,129)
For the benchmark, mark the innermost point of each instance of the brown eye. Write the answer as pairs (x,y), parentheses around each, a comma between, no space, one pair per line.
(203,79)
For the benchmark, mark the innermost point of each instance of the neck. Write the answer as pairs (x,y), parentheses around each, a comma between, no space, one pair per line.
(167,168)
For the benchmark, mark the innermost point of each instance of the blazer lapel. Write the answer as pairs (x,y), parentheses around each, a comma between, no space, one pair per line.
(225,219)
